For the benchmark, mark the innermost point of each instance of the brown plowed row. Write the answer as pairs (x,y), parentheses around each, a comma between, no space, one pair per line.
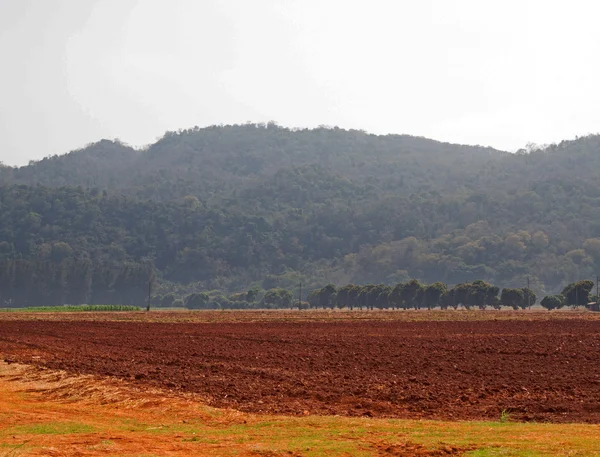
(534,370)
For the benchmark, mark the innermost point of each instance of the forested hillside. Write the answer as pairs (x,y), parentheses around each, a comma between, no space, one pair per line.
(236,207)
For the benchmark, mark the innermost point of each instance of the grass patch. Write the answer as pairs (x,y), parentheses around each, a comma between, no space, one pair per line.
(504,416)
(50,428)
(70,308)
(498,452)
(13,449)
(341,436)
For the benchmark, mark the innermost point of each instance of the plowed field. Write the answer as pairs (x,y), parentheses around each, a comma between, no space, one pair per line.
(532,370)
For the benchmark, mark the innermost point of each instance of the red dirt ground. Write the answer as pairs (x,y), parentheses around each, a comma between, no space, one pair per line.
(535,370)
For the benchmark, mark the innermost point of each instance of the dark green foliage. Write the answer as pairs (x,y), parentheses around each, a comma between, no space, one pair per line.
(412,294)
(433,294)
(324,298)
(578,294)
(72,281)
(364,296)
(481,294)
(395,297)
(167,300)
(234,207)
(197,301)
(513,298)
(462,295)
(529,297)
(277,298)
(252,294)
(73,308)
(381,296)
(518,298)
(346,296)
(553,302)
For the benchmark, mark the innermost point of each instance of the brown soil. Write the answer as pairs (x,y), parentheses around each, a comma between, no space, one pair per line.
(534,370)
(416,450)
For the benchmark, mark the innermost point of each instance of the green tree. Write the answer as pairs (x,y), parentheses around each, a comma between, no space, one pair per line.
(327,296)
(529,297)
(197,300)
(577,294)
(345,296)
(513,298)
(433,294)
(462,295)
(412,293)
(252,294)
(553,302)
(167,300)
(277,298)
(396,297)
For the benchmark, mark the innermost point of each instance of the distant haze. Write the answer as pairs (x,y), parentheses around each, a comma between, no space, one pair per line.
(498,73)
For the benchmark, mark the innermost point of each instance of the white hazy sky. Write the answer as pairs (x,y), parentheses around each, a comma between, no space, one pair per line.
(495,72)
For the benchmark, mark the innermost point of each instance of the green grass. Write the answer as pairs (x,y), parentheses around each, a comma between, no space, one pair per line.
(70,308)
(332,436)
(339,436)
(54,428)
(13,449)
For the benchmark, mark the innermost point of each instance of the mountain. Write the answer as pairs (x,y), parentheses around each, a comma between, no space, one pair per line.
(216,160)
(231,207)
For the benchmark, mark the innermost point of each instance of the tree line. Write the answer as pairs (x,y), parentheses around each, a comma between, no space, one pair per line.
(410,295)
(81,281)
(415,295)
(26,283)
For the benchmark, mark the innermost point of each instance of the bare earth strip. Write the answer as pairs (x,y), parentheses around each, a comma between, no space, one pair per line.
(545,369)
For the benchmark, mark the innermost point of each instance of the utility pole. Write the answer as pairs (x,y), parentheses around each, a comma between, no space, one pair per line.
(528,295)
(150,265)
(300,297)
(149,293)
(454,305)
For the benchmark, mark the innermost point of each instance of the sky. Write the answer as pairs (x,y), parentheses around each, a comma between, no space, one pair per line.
(499,73)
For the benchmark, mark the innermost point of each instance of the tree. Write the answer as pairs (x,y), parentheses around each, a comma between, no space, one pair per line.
(577,294)
(252,294)
(379,296)
(529,298)
(313,298)
(346,296)
(412,293)
(447,299)
(364,297)
(396,296)
(327,296)
(553,302)
(461,295)
(277,298)
(197,300)
(167,300)
(482,294)
(512,297)
(433,294)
